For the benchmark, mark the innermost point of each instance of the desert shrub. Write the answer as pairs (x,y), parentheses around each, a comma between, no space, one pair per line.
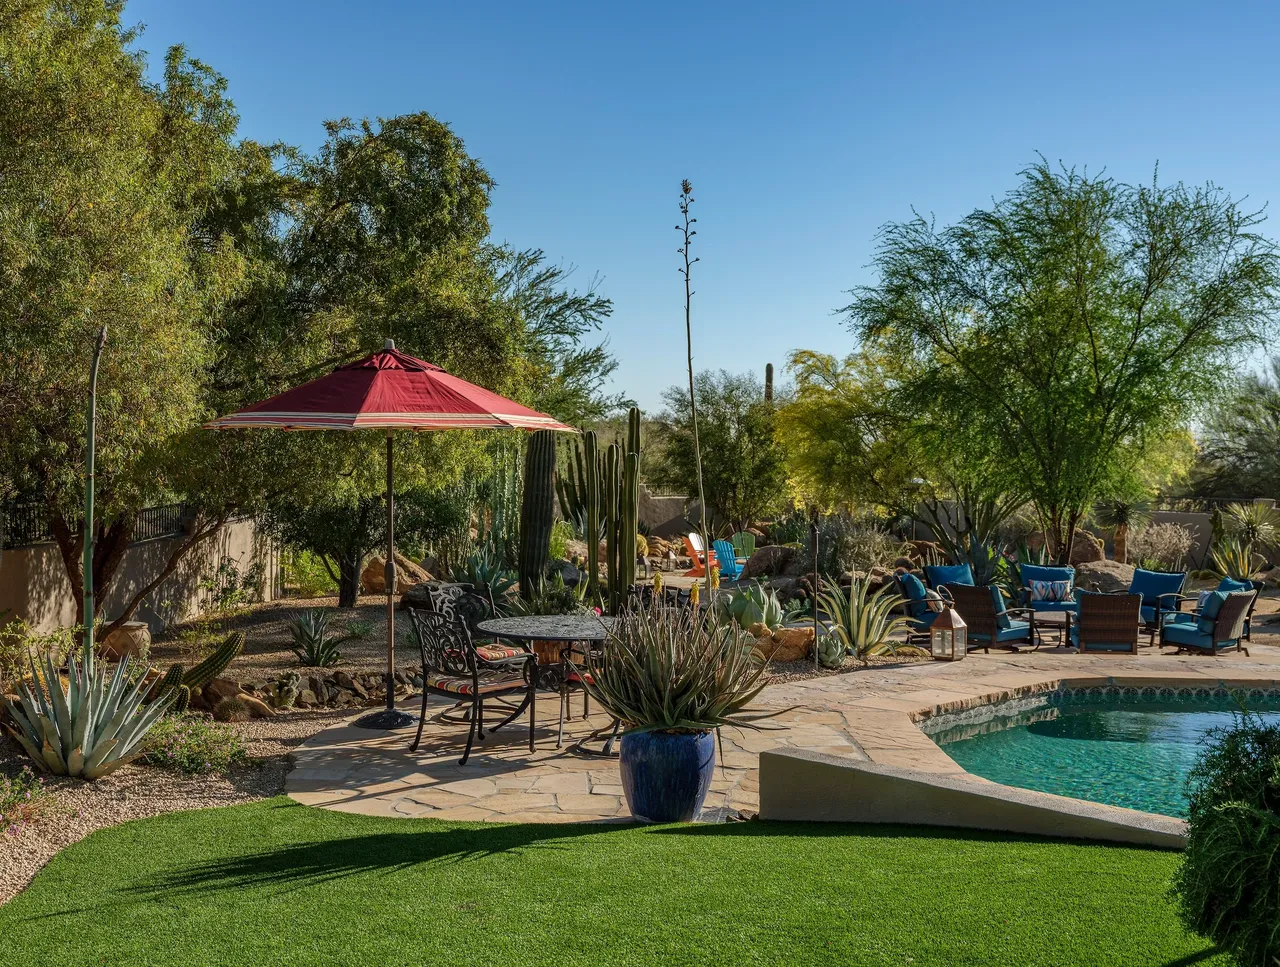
(191,743)
(22,798)
(1227,888)
(1163,546)
(305,573)
(18,640)
(561,534)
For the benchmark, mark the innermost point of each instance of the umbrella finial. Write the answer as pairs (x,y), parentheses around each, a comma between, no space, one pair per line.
(389,345)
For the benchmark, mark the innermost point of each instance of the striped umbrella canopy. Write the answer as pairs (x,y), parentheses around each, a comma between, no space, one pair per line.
(389,390)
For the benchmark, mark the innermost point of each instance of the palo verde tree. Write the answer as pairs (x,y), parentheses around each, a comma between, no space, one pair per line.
(853,439)
(1073,322)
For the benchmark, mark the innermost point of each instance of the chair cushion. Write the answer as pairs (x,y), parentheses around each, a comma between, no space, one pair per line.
(577,676)
(940,574)
(1049,591)
(1209,612)
(1152,584)
(496,652)
(933,601)
(912,585)
(1185,633)
(997,600)
(1013,632)
(458,685)
(1055,606)
(1231,584)
(924,620)
(1148,613)
(1043,572)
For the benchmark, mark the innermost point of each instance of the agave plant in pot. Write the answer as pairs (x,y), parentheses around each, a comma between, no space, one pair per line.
(672,677)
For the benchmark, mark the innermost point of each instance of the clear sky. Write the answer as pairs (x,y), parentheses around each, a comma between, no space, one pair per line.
(803,127)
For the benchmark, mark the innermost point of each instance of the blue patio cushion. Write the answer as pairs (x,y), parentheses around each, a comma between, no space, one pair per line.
(940,574)
(1044,572)
(1152,584)
(1209,612)
(1015,631)
(1185,633)
(1099,645)
(914,590)
(1231,584)
(1002,618)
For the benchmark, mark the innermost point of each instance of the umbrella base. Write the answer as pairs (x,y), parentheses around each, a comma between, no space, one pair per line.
(385,719)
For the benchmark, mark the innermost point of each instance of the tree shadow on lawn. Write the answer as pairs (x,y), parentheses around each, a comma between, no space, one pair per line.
(302,865)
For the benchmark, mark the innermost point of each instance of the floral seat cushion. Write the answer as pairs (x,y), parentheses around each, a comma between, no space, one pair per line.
(461,685)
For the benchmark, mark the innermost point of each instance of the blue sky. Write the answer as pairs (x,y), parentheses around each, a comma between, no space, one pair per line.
(803,127)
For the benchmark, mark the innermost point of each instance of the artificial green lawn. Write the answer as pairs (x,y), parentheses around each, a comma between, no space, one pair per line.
(279,883)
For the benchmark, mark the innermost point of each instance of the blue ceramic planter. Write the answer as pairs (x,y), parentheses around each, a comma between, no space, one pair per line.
(666,775)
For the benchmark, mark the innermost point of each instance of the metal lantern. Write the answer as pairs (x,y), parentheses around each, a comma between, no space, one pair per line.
(948,636)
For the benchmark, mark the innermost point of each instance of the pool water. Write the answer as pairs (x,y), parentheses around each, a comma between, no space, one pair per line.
(1111,750)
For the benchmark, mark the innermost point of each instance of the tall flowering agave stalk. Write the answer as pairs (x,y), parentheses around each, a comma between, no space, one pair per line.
(93,726)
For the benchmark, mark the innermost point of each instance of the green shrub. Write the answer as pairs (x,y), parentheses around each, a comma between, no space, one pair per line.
(191,744)
(561,534)
(1228,887)
(306,574)
(17,641)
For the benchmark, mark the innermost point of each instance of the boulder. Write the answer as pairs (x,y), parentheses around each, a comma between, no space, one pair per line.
(927,551)
(1086,548)
(798,564)
(786,644)
(219,690)
(256,707)
(373,578)
(1106,575)
(131,639)
(768,561)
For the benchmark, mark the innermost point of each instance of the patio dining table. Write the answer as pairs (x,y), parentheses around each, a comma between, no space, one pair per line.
(567,629)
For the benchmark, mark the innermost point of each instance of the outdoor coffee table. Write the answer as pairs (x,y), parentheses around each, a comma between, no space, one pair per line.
(1059,620)
(568,629)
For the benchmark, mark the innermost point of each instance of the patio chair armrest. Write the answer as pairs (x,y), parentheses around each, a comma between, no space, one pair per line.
(1029,612)
(1177,597)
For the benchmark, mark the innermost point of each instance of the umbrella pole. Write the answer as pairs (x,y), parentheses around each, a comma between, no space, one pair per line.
(389,717)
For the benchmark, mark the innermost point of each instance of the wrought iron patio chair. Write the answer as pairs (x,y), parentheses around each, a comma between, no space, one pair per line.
(453,668)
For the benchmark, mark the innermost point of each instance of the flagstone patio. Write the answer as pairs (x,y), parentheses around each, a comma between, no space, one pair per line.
(869,714)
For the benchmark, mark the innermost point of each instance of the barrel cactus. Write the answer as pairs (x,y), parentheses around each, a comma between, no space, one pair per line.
(89,727)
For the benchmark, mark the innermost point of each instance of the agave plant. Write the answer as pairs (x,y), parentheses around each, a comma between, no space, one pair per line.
(311,640)
(484,572)
(553,597)
(831,651)
(862,622)
(93,726)
(752,604)
(665,668)
(1233,558)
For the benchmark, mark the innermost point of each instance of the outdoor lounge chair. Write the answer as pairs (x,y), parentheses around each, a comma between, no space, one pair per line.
(1218,626)
(1160,591)
(744,544)
(990,622)
(939,576)
(1226,585)
(693,547)
(1046,588)
(453,669)
(730,569)
(1104,622)
(923,605)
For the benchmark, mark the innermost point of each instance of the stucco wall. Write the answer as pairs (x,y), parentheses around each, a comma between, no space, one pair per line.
(34,585)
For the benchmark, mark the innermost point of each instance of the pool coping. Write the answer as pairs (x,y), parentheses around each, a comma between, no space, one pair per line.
(907,778)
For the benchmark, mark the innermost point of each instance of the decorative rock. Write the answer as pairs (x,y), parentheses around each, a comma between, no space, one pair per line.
(133,638)
(926,551)
(373,579)
(257,708)
(768,561)
(219,690)
(786,644)
(1106,575)
(307,697)
(1086,549)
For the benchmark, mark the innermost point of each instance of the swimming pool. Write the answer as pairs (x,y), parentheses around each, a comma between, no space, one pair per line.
(1126,747)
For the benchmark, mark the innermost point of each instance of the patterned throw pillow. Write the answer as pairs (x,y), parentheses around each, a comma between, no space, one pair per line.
(1055,591)
(933,601)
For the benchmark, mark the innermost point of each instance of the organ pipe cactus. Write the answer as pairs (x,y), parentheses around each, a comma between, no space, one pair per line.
(215,664)
(92,726)
(602,488)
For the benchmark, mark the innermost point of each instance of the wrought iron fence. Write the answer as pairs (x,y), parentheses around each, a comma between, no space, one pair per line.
(25,523)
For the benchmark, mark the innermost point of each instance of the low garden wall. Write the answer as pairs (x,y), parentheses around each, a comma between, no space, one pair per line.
(34,585)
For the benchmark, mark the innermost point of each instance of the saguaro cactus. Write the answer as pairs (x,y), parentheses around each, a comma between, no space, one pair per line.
(536,509)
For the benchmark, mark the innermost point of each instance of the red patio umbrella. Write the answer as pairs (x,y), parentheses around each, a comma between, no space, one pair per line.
(389,390)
